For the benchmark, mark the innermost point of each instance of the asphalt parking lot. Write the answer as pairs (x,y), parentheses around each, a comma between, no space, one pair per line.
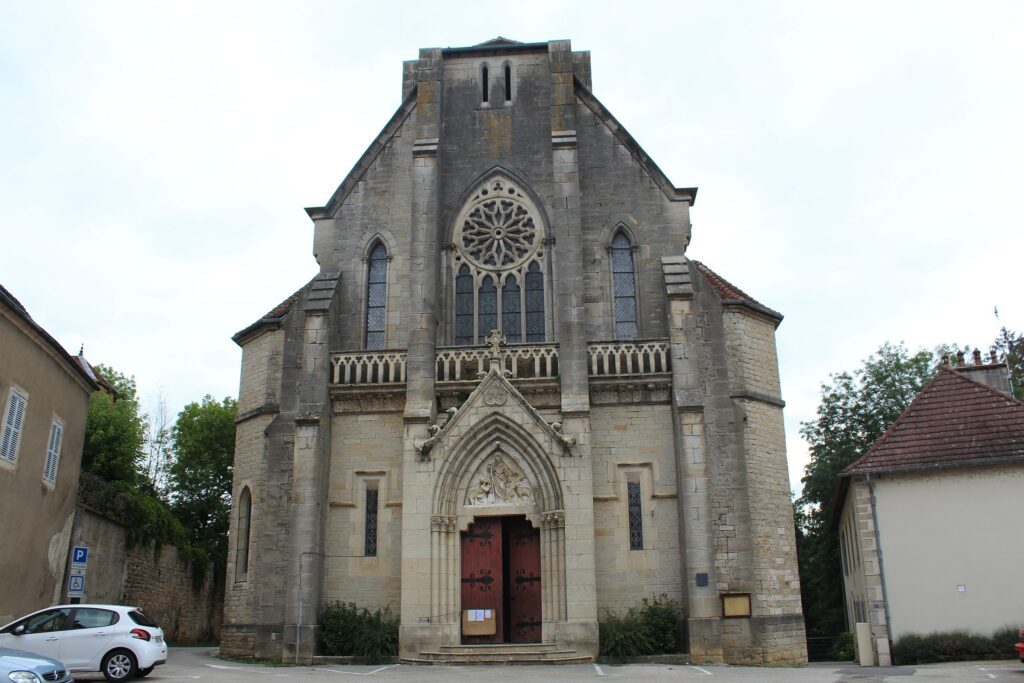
(200,664)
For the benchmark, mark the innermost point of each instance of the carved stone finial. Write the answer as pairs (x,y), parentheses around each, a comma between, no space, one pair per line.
(495,340)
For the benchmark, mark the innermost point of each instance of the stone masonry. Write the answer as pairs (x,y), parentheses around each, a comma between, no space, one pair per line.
(505,325)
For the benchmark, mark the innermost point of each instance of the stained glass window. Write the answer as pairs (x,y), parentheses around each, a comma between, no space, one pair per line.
(376,297)
(371,522)
(624,288)
(636,517)
(534,304)
(464,307)
(511,311)
(487,301)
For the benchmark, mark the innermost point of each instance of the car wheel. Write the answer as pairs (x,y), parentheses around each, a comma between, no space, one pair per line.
(119,665)
(145,672)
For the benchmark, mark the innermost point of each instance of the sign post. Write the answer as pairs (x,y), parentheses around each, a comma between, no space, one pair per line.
(76,577)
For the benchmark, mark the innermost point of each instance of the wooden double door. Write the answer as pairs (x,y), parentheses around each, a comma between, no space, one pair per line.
(501,572)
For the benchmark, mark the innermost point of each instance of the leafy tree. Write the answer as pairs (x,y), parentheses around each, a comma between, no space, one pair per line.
(855,410)
(115,431)
(1010,347)
(200,476)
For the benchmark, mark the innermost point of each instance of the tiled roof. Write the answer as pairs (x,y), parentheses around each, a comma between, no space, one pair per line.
(731,294)
(274,315)
(11,302)
(953,421)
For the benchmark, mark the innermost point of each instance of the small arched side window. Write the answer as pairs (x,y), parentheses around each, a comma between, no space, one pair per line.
(624,287)
(508,82)
(376,297)
(484,83)
(242,529)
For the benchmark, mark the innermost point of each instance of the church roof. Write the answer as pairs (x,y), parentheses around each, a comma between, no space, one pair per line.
(953,421)
(273,317)
(731,294)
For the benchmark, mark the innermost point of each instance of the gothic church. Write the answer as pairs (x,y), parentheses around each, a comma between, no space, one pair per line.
(509,403)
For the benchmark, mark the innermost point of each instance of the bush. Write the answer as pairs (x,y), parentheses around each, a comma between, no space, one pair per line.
(954,646)
(651,629)
(844,650)
(347,630)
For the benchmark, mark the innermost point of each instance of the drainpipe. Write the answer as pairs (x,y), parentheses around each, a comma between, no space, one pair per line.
(881,564)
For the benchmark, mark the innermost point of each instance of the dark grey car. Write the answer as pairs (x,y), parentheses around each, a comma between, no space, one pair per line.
(19,666)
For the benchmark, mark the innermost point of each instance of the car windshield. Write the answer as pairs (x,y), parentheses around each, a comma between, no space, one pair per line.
(141,619)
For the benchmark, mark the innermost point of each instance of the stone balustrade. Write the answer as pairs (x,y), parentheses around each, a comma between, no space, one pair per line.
(368,367)
(522,361)
(617,359)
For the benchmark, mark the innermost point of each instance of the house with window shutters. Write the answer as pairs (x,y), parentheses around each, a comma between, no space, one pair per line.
(44,398)
(929,517)
(509,402)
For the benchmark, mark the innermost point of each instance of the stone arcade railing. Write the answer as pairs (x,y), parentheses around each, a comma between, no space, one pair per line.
(617,359)
(527,361)
(523,361)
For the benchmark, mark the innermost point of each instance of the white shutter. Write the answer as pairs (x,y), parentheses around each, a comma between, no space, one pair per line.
(53,452)
(12,426)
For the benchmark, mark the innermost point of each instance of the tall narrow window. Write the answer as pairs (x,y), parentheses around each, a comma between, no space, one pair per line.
(371,523)
(483,81)
(464,307)
(508,83)
(14,417)
(511,311)
(242,547)
(376,297)
(534,304)
(624,288)
(488,302)
(636,517)
(53,452)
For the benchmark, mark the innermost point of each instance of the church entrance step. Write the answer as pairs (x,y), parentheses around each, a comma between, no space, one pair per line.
(504,653)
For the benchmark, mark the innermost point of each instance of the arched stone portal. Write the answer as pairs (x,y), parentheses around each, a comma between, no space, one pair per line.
(497,468)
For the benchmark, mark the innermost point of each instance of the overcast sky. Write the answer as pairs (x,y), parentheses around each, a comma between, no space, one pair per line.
(859,165)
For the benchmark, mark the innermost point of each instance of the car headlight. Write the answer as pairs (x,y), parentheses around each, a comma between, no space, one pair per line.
(23,677)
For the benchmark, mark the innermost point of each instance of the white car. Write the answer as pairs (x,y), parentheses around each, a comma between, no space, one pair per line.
(120,642)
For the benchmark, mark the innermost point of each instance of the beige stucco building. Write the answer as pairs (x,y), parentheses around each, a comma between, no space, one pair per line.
(930,516)
(44,398)
(509,402)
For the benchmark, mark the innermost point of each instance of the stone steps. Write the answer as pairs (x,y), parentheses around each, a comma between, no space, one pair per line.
(504,653)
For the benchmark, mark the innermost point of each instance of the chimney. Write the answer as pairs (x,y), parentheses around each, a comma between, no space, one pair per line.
(959,359)
(995,374)
(977,356)
(992,357)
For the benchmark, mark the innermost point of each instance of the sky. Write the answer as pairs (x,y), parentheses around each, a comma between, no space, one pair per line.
(860,165)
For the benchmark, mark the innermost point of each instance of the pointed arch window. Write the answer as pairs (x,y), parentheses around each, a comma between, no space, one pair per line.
(498,264)
(242,529)
(624,287)
(376,296)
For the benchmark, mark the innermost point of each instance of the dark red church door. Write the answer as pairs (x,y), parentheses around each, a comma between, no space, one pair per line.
(501,572)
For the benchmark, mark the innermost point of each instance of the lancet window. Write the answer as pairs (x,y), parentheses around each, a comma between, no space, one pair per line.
(498,267)
(624,287)
(376,296)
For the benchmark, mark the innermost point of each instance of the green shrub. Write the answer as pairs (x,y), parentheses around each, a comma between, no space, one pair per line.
(651,629)
(954,646)
(844,650)
(348,630)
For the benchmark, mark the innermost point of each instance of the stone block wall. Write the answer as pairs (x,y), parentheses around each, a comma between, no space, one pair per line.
(155,578)
(634,443)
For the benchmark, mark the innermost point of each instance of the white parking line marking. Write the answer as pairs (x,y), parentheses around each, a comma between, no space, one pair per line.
(599,670)
(242,668)
(355,673)
(703,671)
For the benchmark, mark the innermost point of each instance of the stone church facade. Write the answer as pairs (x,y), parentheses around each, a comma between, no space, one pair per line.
(509,402)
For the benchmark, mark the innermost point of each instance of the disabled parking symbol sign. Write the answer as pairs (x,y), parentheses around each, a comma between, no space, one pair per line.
(76,585)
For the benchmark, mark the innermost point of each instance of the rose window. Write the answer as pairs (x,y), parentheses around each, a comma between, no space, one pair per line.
(498,230)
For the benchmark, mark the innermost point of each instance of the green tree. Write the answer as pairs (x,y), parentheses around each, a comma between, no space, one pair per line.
(115,431)
(1010,347)
(855,409)
(200,476)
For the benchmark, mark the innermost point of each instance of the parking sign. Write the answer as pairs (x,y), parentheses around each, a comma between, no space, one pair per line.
(80,554)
